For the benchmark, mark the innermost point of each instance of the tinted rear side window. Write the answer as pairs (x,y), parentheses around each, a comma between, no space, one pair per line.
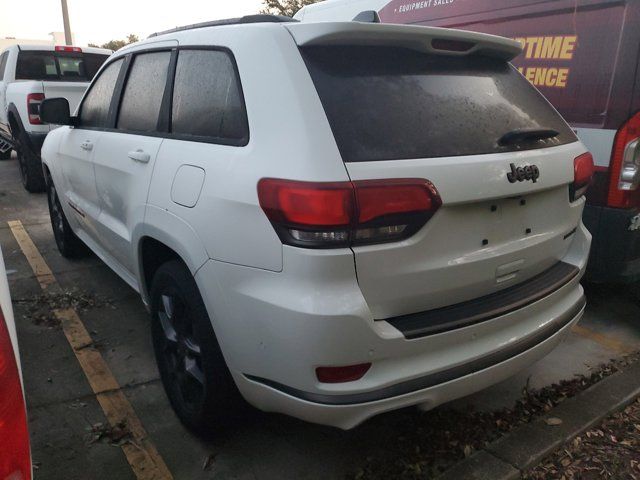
(207,98)
(57,66)
(143,92)
(394,103)
(95,106)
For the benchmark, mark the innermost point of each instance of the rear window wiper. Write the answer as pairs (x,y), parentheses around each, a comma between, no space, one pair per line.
(527,135)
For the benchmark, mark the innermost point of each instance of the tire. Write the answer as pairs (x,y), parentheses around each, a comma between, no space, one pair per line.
(30,166)
(6,155)
(69,245)
(192,368)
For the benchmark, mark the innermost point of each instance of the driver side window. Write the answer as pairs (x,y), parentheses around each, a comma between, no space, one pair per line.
(94,112)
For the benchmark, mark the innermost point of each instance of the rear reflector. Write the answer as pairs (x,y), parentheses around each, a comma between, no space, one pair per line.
(349,373)
(33,107)
(583,170)
(340,214)
(64,48)
(625,166)
(15,458)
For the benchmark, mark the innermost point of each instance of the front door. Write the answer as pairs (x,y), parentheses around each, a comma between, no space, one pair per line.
(77,190)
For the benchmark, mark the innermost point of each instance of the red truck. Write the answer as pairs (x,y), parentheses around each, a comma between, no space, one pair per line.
(584,56)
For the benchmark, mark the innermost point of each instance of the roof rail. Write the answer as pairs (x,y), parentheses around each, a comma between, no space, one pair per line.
(260,18)
(368,16)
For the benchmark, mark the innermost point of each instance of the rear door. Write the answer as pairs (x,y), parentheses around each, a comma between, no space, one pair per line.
(125,158)
(399,113)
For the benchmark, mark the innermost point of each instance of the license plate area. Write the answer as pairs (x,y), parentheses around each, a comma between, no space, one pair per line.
(505,220)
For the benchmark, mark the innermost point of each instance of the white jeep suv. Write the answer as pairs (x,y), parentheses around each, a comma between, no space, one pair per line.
(331,219)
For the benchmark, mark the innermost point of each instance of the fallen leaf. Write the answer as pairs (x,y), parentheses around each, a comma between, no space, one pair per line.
(553,421)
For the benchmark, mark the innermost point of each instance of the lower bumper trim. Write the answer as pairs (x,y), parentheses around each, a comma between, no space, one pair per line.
(485,308)
(436,378)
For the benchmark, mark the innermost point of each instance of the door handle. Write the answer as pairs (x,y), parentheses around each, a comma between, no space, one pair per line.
(139,156)
(87,145)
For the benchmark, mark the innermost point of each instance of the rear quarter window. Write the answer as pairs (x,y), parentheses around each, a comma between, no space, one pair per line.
(207,98)
(389,103)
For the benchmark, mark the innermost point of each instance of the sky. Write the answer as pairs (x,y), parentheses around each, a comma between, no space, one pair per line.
(98,21)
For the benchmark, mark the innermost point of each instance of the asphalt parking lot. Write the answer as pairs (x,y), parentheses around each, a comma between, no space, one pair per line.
(65,416)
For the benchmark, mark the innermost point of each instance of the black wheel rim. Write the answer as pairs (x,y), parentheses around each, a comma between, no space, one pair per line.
(180,352)
(57,218)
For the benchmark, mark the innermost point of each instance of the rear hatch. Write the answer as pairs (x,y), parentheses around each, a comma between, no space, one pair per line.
(448,107)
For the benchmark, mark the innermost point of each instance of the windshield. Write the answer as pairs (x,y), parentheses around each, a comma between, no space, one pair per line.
(58,66)
(388,103)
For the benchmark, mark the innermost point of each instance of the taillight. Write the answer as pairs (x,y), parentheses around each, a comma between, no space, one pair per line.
(583,169)
(350,373)
(625,166)
(65,48)
(339,214)
(33,107)
(15,460)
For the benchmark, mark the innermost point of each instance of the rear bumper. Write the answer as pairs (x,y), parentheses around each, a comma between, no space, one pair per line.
(349,415)
(276,328)
(615,253)
(437,379)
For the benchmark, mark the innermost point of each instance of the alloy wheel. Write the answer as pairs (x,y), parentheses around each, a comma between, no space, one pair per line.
(57,218)
(180,351)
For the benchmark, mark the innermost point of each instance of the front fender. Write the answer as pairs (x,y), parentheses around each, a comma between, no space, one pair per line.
(49,153)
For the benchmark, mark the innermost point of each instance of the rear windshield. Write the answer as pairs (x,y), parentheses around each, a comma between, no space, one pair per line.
(58,66)
(394,103)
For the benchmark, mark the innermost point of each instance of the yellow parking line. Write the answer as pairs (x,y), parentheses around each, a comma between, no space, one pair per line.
(141,453)
(40,269)
(604,340)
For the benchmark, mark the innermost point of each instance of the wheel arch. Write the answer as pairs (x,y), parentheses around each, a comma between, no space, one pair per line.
(164,237)
(13,117)
(17,125)
(47,173)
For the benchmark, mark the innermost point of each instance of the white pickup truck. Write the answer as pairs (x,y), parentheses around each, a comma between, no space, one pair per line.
(28,74)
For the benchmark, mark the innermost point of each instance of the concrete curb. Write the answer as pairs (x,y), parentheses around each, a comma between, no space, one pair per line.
(525,447)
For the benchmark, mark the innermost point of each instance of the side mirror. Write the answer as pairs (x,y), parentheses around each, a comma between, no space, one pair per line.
(55,111)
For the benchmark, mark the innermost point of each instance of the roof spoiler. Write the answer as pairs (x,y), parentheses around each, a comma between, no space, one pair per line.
(368,16)
(433,40)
